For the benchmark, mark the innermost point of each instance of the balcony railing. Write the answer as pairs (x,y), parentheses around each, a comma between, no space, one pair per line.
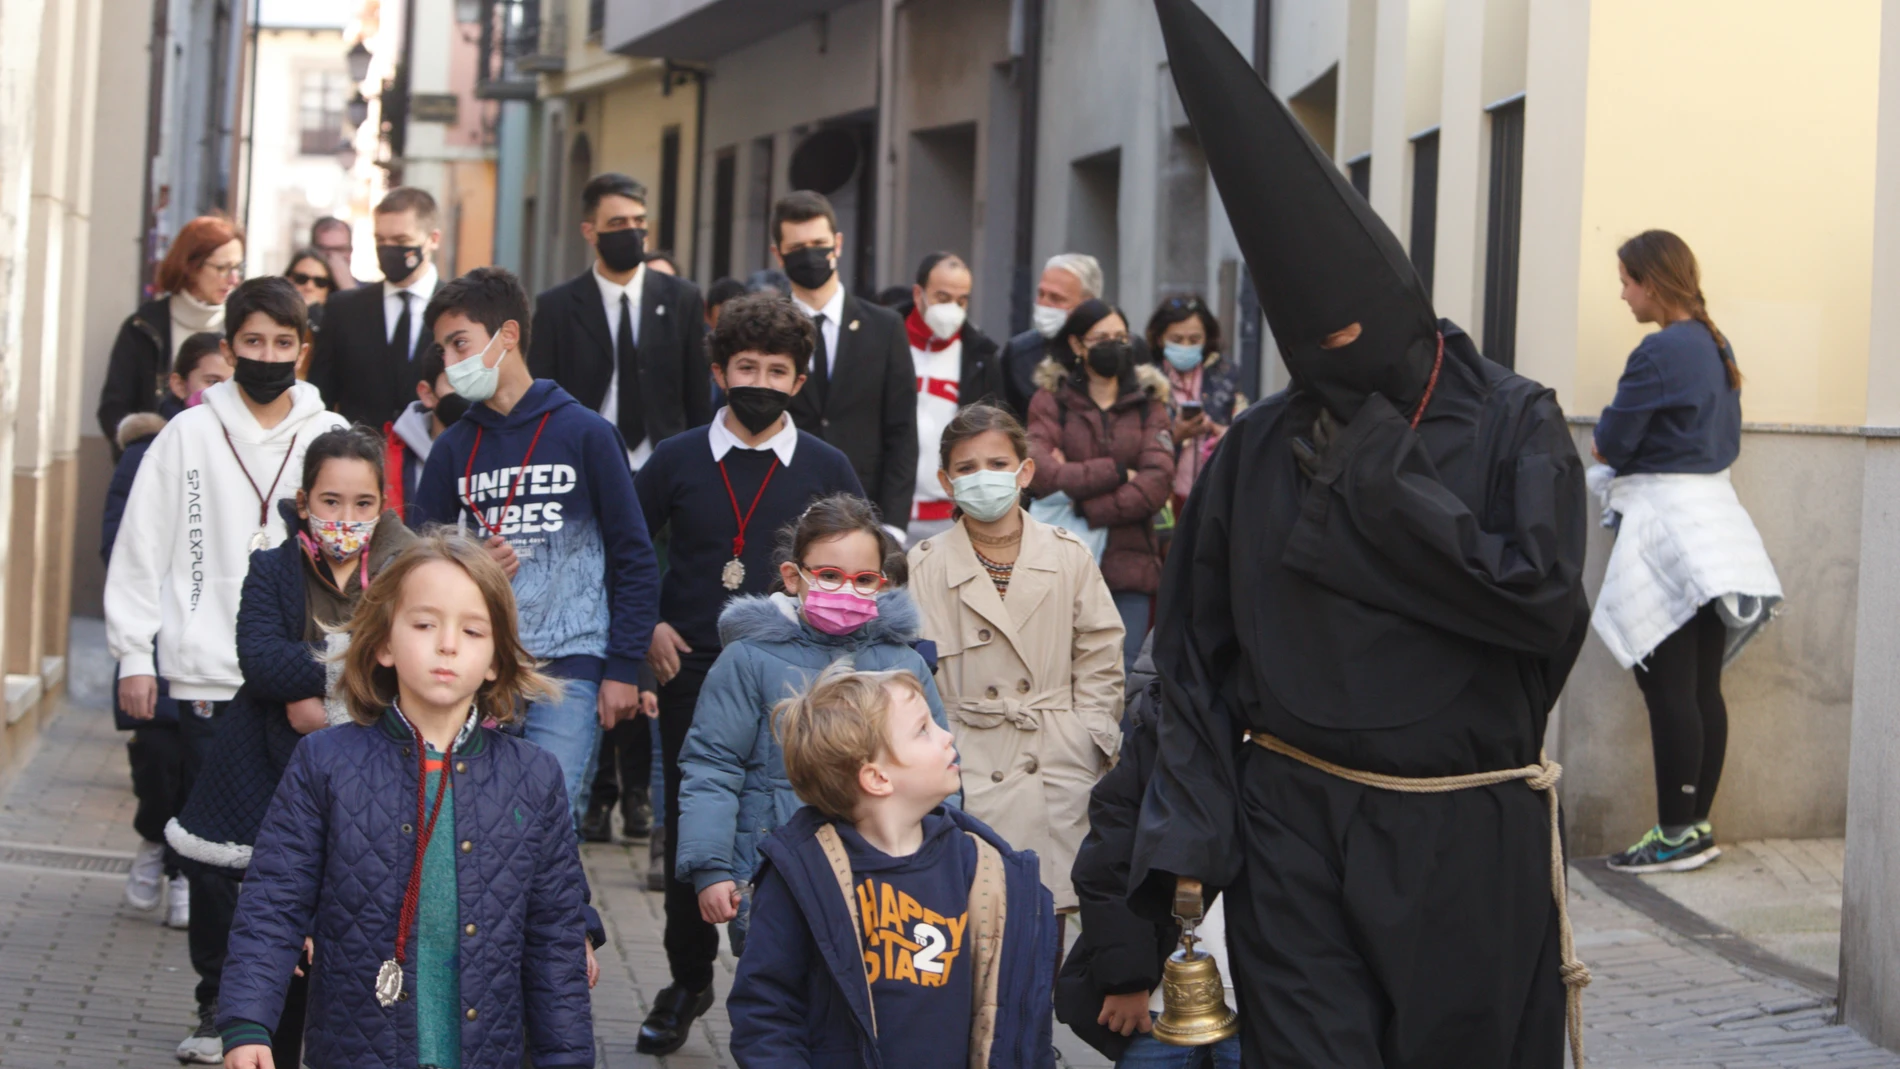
(511,50)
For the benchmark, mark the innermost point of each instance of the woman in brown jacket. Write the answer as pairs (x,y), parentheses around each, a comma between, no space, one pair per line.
(1028,648)
(1099,431)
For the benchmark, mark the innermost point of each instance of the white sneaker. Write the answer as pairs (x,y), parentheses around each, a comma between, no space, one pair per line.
(141,884)
(178,910)
(203,1046)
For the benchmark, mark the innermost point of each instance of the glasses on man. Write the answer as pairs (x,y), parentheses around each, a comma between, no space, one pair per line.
(832,580)
(298,278)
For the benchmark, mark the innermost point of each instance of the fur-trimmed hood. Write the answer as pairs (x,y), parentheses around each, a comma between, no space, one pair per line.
(1052,376)
(774,618)
(138,425)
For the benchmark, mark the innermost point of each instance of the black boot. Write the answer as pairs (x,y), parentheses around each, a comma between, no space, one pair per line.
(598,825)
(638,821)
(674,1011)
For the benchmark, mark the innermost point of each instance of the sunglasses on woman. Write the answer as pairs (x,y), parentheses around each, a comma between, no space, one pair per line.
(298,278)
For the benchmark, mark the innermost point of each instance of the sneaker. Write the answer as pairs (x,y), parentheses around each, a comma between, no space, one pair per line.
(1657,852)
(178,910)
(148,869)
(656,861)
(203,1046)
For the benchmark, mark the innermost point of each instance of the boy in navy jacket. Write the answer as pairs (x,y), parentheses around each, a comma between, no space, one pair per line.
(887,929)
(544,483)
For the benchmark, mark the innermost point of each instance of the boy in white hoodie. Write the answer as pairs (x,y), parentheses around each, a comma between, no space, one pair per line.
(204,499)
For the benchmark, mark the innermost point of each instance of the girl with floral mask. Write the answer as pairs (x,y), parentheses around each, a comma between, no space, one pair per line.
(842,600)
(297,595)
(1029,647)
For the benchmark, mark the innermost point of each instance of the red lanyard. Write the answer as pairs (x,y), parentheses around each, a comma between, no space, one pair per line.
(424,832)
(263,503)
(468,475)
(1438,364)
(738,541)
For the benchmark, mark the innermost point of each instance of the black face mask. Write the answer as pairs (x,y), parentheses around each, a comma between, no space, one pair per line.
(1109,358)
(758,407)
(398,261)
(809,267)
(450,407)
(621,250)
(264,381)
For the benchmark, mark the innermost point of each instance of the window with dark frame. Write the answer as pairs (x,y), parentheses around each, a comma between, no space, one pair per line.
(1359,173)
(669,188)
(1424,204)
(322,96)
(1502,232)
(725,189)
(596,16)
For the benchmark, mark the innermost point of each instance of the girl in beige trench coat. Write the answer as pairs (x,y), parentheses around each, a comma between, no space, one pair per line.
(1029,648)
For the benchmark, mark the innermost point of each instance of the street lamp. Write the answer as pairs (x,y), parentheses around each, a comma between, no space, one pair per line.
(358,57)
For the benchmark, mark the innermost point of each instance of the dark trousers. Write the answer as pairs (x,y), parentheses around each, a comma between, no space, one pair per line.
(163,767)
(1688,720)
(691,943)
(214,898)
(626,765)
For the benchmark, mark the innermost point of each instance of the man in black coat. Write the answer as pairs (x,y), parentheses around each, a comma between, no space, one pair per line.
(627,342)
(1068,279)
(365,356)
(861,394)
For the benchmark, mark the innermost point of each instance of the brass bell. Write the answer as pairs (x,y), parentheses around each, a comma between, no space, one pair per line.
(1194,1010)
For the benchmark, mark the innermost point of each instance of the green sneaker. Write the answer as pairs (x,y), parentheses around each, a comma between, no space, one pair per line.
(1656,852)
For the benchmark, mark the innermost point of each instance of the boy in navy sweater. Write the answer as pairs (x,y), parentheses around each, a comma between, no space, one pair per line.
(544,483)
(870,942)
(724,490)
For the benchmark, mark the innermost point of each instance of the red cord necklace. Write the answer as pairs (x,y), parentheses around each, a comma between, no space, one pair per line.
(1438,364)
(468,475)
(733,575)
(389,977)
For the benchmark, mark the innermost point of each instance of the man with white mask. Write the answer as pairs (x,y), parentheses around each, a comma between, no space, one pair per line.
(956,365)
(1068,279)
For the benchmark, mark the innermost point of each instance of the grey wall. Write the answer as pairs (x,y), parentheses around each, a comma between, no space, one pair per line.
(1790,695)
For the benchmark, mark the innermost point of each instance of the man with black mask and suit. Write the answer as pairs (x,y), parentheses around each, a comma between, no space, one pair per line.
(1371,602)
(626,341)
(861,393)
(364,361)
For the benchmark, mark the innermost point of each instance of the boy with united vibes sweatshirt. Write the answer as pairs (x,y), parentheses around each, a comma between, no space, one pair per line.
(544,482)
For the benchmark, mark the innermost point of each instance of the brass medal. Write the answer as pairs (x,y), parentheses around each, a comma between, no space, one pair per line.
(733,575)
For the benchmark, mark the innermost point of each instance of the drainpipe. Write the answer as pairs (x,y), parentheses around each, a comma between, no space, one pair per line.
(1029,85)
(886,169)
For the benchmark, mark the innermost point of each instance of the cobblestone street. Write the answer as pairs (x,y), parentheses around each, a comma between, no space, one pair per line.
(87,982)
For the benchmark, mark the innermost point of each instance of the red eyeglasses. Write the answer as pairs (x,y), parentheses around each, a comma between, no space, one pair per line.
(832,580)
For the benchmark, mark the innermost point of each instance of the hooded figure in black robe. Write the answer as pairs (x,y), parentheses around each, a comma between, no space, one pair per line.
(1381,567)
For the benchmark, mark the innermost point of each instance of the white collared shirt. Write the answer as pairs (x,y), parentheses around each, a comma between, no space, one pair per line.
(423,288)
(833,311)
(784,442)
(610,294)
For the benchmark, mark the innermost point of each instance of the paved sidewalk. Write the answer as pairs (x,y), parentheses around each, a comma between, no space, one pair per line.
(87,982)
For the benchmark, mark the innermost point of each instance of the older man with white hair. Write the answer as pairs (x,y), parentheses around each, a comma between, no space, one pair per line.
(1068,279)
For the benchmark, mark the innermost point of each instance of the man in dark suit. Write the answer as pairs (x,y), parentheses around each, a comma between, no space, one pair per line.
(365,358)
(627,342)
(861,393)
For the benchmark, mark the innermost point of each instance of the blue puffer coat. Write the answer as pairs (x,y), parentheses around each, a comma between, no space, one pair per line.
(332,860)
(733,789)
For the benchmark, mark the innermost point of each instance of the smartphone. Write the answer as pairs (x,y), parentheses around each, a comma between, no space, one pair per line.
(1190,409)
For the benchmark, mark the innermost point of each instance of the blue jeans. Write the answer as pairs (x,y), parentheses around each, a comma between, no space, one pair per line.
(570,730)
(1135,609)
(1147,1052)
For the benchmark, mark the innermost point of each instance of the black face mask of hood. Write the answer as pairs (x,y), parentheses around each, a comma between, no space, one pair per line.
(264,381)
(622,250)
(398,262)
(450,407)
(758,407)
(810,266)
(1109,359)
(1321,259)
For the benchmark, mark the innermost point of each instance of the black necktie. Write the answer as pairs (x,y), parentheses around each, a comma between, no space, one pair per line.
(399,341)
(820,381)
(627,359)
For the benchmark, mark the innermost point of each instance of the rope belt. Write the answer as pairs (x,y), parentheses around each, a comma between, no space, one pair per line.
(1543,777)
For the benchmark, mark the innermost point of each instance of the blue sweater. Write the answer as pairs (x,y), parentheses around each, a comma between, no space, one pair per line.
(1674,411)
(681,488)
(588,580)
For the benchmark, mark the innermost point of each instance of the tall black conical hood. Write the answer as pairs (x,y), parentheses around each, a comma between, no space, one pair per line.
(1321,258)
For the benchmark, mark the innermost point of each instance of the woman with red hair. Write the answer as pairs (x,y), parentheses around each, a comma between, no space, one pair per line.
(205,261)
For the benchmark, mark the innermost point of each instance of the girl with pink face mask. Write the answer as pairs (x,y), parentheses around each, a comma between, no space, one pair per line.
(842,600)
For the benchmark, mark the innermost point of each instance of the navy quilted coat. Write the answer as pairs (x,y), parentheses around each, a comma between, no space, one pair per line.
(733,788)
(799,1000)
(332,860)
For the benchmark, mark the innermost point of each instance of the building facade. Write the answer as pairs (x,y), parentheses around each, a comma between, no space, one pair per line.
(297,130)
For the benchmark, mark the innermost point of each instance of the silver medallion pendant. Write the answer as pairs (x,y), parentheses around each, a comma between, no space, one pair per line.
(733,575)
(388,983)
(260,540)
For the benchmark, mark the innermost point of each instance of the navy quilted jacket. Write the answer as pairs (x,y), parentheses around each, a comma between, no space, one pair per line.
(332,860)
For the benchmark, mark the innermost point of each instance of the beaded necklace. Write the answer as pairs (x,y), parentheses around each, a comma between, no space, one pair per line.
(999,573)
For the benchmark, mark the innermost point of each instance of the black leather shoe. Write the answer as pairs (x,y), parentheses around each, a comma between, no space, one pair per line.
(674,1011)
(597,825)
(638,819)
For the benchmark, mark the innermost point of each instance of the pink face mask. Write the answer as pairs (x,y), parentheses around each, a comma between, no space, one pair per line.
(838,612)
(197,398)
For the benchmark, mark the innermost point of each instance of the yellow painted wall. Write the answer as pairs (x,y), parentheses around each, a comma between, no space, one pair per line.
(1749,129)
(633,116)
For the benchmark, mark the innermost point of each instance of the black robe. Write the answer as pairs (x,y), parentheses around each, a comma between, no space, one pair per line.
(1414,610)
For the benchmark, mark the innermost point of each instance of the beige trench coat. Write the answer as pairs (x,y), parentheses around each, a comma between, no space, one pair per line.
(1032,685)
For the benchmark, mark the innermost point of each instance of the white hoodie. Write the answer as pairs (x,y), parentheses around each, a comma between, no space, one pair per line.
(184,546)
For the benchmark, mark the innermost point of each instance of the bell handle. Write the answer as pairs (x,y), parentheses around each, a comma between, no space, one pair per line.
(1187,901)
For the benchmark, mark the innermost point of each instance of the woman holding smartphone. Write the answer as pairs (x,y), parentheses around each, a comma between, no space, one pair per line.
(1204,385)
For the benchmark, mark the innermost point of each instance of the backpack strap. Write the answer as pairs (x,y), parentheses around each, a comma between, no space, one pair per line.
(988,908)
(833,847)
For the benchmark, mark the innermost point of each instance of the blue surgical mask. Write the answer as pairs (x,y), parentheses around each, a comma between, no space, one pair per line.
(1183,358)
(987,496)
(474,379)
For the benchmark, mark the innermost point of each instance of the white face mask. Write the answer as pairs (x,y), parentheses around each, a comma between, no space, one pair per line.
(1048,321)
(473,378)
(944,320)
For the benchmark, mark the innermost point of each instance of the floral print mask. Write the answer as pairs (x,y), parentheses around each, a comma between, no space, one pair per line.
(342,539)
